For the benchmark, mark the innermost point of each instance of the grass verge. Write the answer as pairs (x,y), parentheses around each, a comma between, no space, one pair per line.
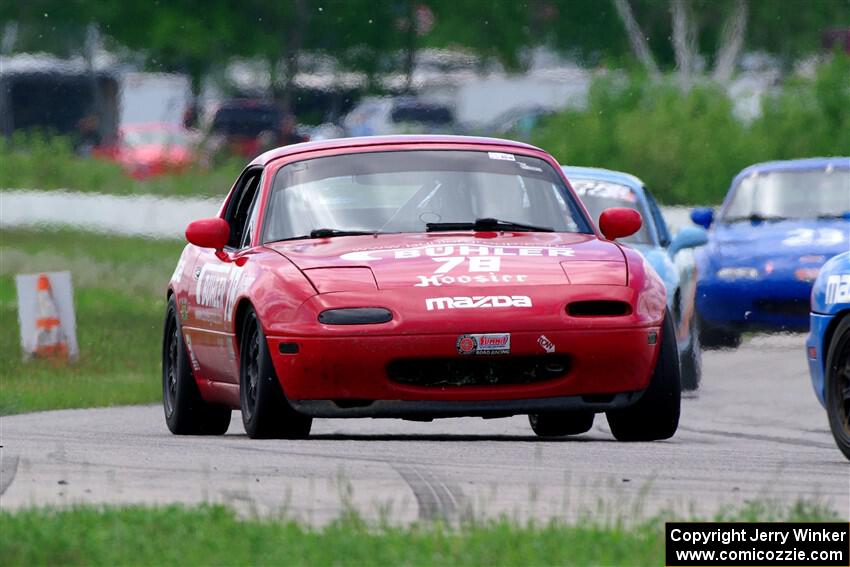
(119,290)
(206,535)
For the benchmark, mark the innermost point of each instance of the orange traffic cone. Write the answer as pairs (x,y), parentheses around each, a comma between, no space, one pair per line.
(49,338)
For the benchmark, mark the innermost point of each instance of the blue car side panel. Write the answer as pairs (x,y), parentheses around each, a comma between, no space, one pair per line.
(830,302)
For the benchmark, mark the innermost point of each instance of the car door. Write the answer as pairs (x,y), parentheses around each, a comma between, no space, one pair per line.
(216,283)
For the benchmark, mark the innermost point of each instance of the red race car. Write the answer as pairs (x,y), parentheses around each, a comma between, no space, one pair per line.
(415,277)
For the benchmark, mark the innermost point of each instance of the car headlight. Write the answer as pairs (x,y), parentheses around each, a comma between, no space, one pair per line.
(806,274)
(743,273)
(355,316)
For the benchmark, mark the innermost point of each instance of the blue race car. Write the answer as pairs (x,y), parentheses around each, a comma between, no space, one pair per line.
(779,223)
(828,346)
(671,258)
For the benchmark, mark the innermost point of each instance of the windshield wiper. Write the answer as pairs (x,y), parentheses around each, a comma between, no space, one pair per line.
(756,217)
(486,224)
(331,232)
(325,233)
(826,216)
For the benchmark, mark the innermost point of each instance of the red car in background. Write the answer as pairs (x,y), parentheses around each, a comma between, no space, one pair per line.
(149,149)
(415,277)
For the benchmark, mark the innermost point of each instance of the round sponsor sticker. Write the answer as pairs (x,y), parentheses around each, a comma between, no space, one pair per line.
(466,344)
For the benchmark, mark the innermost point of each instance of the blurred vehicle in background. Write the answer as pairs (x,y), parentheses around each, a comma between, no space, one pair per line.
(146,150)
(828,346)
(670,257)
(779,223)
(59,97)
(378,116)
(247,127)
(518,123)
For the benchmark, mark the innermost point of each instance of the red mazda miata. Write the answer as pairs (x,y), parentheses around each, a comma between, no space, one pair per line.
(417,278)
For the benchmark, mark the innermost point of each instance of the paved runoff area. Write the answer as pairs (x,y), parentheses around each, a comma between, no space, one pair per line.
(754,431)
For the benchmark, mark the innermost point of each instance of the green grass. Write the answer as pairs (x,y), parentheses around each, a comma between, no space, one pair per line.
(119,289)
(36,162)
(207,535)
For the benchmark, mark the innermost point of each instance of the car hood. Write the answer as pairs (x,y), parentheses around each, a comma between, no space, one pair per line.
(464,259)
(742,241)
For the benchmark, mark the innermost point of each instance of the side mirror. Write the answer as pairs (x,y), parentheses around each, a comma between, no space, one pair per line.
(703,216)
(209,233)
(619,222)
(688,237)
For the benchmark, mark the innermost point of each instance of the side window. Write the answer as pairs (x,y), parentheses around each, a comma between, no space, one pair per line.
(660,223)
(240,206)
(252,220)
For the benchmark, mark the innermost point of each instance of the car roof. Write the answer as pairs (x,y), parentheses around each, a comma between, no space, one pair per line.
(604,174)
(794,165)
(365,141)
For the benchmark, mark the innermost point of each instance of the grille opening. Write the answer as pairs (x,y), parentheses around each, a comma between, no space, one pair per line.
(478,370)
(602,308)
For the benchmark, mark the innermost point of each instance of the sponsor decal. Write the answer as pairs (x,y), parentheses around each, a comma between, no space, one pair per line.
(546,344)
(501,156)
(436,281)
(218,285)
(527,167)
(838,289)
(476,302)
(448,250)
(491,343)
(604,190)
(184,309)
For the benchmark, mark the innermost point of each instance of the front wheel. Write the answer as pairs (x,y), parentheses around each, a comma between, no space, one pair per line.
(656,414)
(266,413)
(838,386)
(691,361)
(560,424)
(186,412)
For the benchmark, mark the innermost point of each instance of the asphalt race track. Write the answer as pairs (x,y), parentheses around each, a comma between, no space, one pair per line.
(755,431)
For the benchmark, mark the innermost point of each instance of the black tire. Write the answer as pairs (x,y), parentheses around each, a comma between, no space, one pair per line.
(716,338)
(186,412)
(691,362)
(266,414)
(837,386)
(560,424)
(656,413)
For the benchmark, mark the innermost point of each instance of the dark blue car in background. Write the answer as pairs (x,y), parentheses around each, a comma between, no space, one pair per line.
(780,222)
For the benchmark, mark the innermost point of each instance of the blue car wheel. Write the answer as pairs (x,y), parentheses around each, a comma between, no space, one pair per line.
(838,386)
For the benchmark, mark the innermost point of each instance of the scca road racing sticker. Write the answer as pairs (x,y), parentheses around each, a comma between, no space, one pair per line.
(546,344)
(492,343)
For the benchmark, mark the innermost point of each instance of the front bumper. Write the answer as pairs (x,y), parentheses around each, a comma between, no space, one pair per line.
(351,373)
(815,341)
(771,304)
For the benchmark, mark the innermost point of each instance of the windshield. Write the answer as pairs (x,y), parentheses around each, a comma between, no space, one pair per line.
(791,195)
(403,191)
(600,195)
